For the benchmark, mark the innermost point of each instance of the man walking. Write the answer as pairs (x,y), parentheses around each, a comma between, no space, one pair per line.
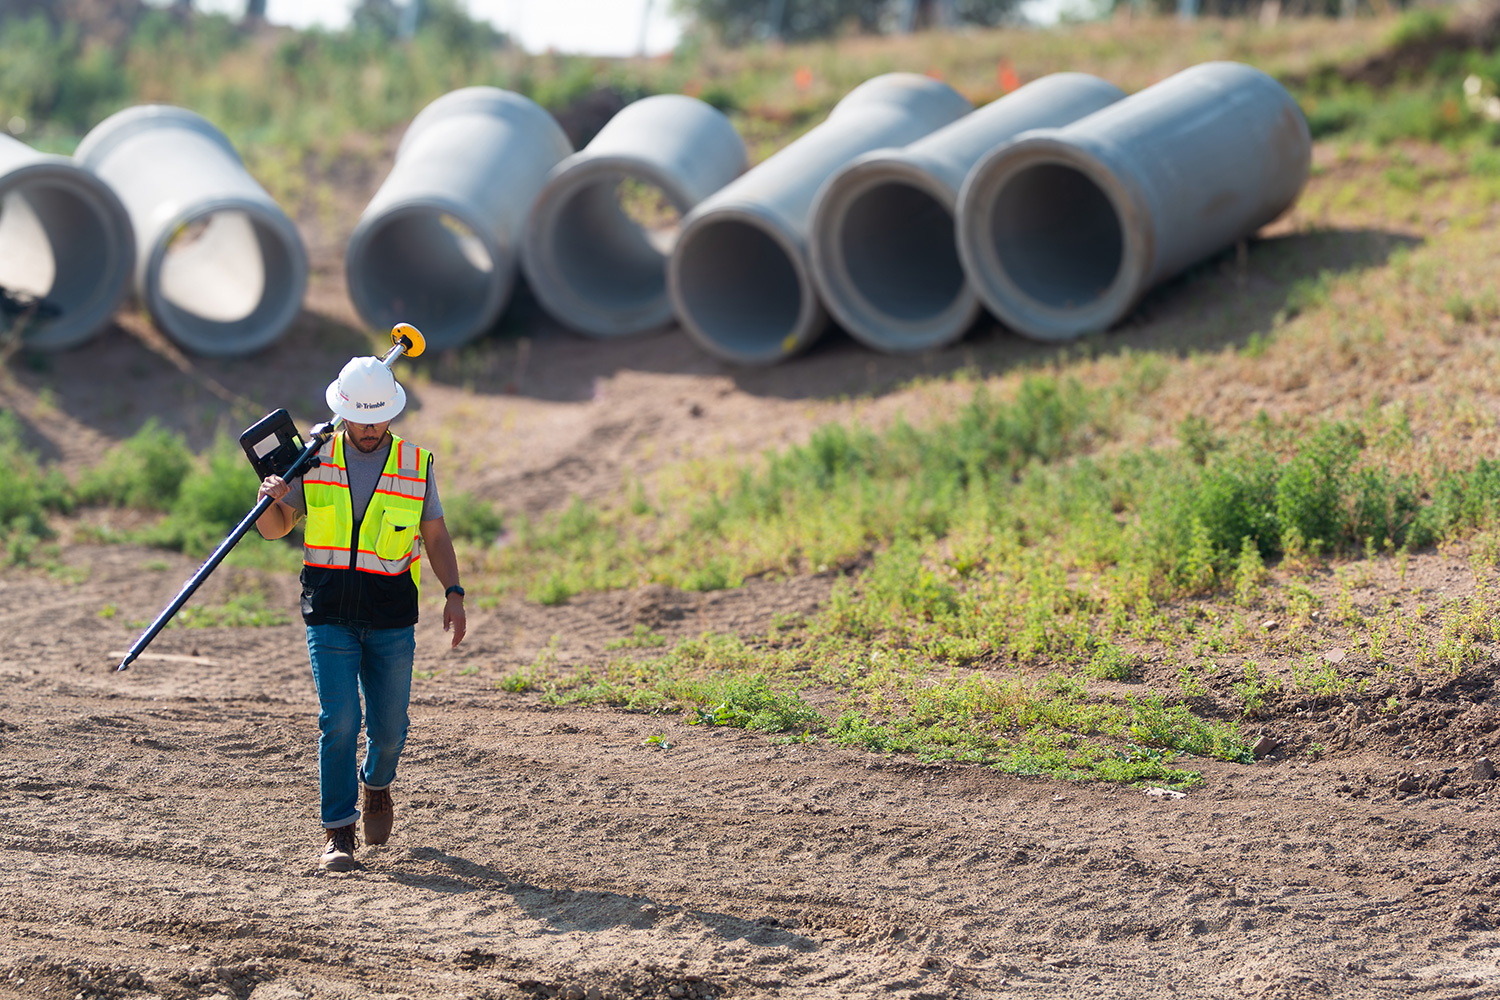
(372,507)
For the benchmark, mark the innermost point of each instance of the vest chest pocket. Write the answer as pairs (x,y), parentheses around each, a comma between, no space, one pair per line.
(322,528)
(397,529)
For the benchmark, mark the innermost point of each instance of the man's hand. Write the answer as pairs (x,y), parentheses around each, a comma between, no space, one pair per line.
(274,487)
(453,618)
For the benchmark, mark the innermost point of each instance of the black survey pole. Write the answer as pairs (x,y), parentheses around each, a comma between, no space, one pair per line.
(405,339)
(320,436)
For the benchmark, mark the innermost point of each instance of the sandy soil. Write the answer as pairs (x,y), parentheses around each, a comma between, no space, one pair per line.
(158,828)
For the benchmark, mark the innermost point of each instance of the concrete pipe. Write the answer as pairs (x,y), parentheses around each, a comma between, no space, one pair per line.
(596,248)
(437,246)
(884,247)
(66,250)
(219,265)
(739,276)
(1062,231)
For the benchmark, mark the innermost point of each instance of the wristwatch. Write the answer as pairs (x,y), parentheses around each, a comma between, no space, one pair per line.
(455,589)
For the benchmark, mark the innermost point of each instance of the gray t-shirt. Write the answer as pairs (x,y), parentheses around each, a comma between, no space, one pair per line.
(364,475)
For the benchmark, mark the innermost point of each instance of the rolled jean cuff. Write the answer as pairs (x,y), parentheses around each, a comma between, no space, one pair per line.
(343,823)
(375,788)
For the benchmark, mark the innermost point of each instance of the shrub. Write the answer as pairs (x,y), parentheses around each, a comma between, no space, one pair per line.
(471,518)
(215,496)
(146,471)
(751,703)
(1310,488)
(27,493)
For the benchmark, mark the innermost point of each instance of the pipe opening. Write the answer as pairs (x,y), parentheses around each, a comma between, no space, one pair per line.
(225,280)
(740,287)
(428,268)
(57,257)
(213,268)
(613,237)
(1057,236)
(899,250)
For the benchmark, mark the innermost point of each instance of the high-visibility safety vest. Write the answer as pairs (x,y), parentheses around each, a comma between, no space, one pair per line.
(390,540)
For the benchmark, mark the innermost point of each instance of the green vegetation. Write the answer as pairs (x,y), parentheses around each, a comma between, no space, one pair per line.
(28,494)
(248,607)
(153,470)
(472,519)
(996,485)
(740,21)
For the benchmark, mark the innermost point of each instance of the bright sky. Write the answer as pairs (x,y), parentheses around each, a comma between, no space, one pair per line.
(596,27)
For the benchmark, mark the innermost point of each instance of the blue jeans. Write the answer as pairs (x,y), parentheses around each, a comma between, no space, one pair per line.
(348,662)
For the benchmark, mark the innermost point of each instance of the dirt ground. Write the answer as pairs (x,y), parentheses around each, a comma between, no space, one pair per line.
(158,828)
(158,835)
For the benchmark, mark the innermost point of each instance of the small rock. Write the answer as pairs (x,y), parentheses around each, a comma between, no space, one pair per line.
(1483,769)
(1334,655)
(1264,746)
(1407,783)
(1269,624)
(572,992)
(1165,793)
(676,991)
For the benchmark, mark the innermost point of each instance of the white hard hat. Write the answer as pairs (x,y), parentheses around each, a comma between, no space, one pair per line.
(366,392)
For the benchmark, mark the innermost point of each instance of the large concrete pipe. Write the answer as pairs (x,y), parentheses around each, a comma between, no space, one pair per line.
(739,276)
(437,246)
(1062,231)
(589,262)
(884,247)
(66,250)
(219,265)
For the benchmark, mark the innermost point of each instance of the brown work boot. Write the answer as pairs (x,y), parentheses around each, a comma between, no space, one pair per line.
(379,814)
(338,852)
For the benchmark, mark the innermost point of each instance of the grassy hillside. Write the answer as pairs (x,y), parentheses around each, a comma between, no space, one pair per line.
(295,101)
(1079,561)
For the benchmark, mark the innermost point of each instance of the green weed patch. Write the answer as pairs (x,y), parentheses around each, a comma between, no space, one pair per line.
(29,492)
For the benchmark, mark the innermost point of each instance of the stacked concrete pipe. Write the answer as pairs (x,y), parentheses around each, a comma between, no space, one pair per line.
(66,248)
(437,246)
(1062,231)
(219,265)
(739,276)
(884,246)
(587,261)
